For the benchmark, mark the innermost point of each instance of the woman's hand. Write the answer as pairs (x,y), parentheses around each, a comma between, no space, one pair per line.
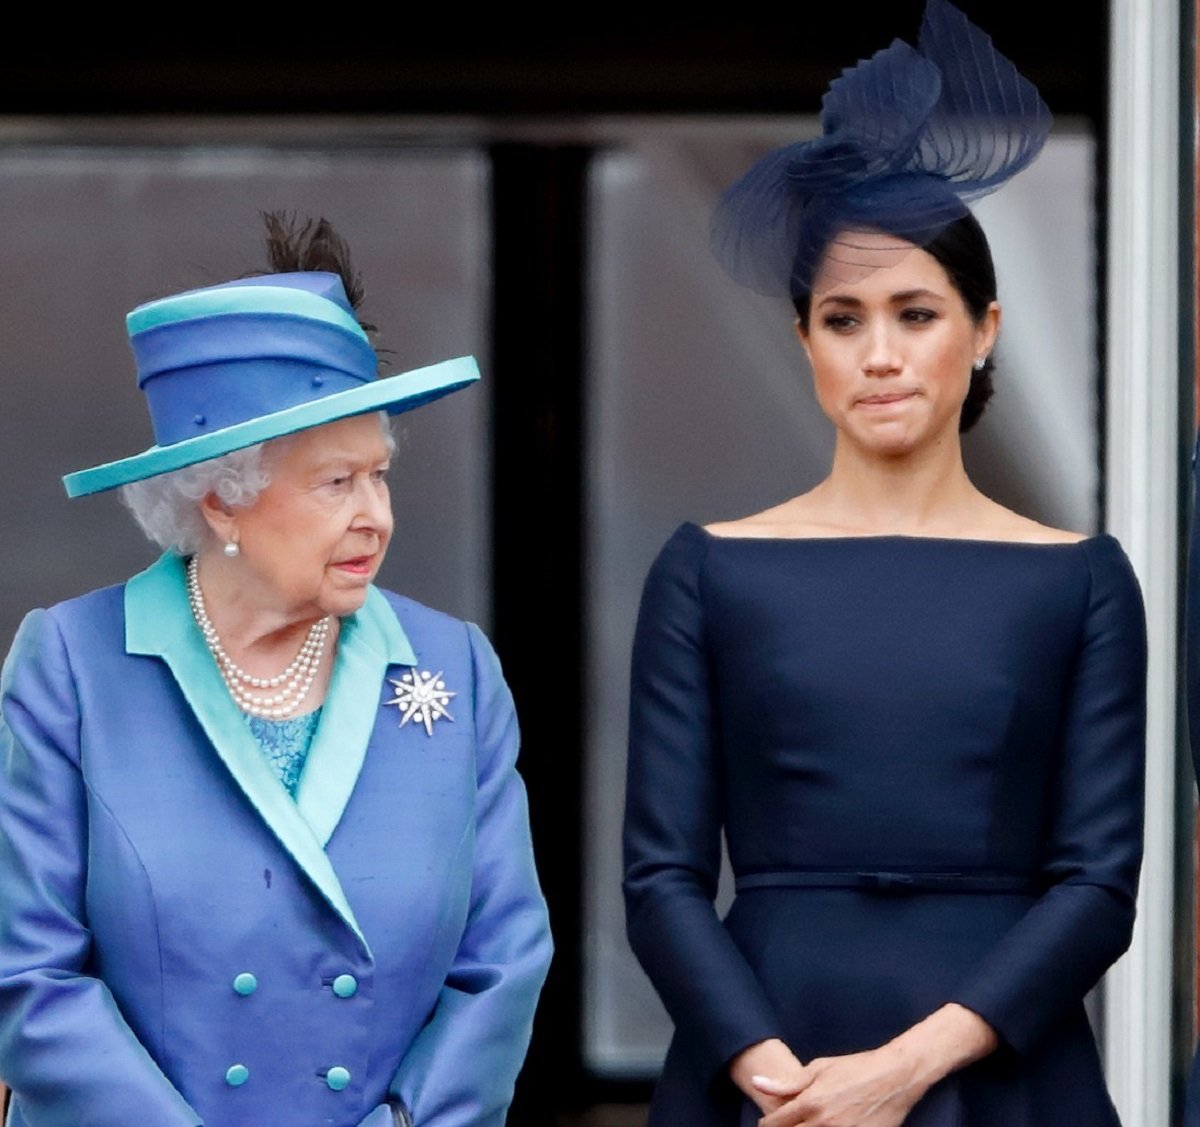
(879,1087)
(771,1061)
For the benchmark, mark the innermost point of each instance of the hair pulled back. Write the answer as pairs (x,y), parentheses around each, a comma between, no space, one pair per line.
(961,249)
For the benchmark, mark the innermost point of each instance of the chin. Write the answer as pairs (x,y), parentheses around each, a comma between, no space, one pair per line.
(889,441)
(342,603)
(895,438)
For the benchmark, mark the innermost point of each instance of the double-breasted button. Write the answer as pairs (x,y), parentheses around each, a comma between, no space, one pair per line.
(236,1075)
(345,986)
(245,984)
(337,1077)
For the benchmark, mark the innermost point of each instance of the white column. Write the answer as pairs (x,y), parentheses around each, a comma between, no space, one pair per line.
(1141,472)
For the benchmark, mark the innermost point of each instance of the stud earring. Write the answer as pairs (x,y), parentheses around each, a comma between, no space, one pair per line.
(979,363)
(231,549)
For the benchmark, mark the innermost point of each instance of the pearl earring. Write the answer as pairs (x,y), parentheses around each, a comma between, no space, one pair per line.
(979,363)
(231,548)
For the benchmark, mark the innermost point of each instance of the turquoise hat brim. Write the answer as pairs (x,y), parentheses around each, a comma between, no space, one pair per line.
(393,394)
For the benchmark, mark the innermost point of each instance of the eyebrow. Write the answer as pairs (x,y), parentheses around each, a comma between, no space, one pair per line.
(917,294)
(894,299)
(347,463)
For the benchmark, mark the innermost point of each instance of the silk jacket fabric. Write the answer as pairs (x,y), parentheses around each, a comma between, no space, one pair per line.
(181,943)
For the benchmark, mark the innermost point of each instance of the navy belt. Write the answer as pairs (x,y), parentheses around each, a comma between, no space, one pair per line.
(889,882)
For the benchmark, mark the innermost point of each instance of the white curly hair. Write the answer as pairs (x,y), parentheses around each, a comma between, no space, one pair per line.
(167,506)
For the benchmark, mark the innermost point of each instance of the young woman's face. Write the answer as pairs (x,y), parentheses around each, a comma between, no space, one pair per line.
(892,351)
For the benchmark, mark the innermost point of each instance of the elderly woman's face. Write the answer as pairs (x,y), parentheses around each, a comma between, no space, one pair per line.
(317,534)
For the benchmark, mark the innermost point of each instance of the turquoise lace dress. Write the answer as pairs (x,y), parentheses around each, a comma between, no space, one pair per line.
(285,744)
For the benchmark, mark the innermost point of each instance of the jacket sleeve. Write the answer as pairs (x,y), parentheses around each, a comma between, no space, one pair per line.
(1083,921)
(392,1114)
(673,823)
(65,1049)
(461,1069)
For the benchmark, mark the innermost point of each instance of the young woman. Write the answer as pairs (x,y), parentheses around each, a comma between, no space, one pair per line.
(916,716)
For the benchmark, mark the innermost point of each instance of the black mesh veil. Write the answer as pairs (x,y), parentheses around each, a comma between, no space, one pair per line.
(909,137)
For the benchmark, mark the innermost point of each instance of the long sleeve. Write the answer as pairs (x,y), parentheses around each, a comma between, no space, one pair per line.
(461,1069)
(1084,920)
(65,1049)
(673,822)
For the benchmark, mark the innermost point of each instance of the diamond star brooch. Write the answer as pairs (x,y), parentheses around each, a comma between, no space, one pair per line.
(422,697)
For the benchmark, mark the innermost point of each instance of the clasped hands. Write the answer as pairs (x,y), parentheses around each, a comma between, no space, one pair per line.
(875,1088)
(870,1089)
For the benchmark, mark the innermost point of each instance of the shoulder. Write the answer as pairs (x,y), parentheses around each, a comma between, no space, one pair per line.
(987,519)
(416,616)
(681,558)
(92,606)
(689,539)
(51,645)
(85,622)
(1094,566)
(437,636)
(1034,533)
(1113,579)
(991,520)
(793,518)
(671,606)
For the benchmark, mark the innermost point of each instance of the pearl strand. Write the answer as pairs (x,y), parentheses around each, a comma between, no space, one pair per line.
(293,684)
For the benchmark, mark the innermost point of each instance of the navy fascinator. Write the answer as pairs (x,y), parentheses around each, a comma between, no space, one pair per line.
(908,138)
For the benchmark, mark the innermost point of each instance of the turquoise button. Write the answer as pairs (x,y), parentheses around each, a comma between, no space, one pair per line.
(345,986)
(237,1075)
(337,1078)
(245,983)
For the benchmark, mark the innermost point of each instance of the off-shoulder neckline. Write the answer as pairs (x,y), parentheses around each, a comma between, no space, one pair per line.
(894,537)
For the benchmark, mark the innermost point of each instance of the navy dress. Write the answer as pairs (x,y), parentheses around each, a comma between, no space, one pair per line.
(926,758)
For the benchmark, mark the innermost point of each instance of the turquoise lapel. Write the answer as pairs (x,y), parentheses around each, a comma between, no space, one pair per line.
(158,622)
(370,641)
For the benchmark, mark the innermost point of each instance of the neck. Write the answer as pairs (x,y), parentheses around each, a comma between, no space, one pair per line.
(256,629)
(275,694)
(924,491)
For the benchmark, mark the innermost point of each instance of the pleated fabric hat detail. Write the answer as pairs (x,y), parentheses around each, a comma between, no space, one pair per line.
(909,137)
(231,365)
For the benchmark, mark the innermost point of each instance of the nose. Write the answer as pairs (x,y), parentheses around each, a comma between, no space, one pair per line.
(373,506)
(881,356)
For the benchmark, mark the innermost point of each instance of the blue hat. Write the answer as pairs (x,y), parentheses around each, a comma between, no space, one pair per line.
(235,364)
(908,138)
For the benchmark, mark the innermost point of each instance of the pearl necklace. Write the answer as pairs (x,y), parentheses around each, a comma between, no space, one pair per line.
(285,690)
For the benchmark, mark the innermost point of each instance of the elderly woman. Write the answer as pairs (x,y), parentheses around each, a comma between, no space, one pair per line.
(264,852)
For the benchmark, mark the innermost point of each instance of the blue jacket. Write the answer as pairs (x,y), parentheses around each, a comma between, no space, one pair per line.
(183,943)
